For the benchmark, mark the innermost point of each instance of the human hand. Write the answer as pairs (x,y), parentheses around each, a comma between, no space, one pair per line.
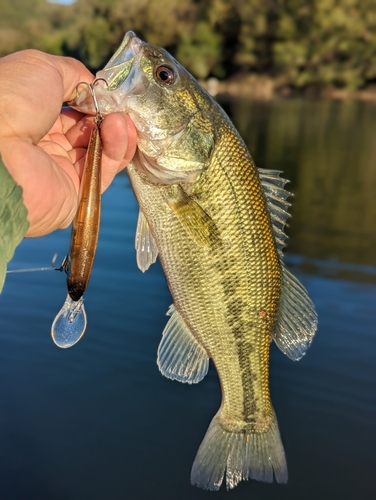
(44,147)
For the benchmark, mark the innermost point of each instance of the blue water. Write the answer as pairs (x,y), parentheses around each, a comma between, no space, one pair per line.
(98,421)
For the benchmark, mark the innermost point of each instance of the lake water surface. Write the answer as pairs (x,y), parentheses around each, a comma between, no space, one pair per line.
(98,421)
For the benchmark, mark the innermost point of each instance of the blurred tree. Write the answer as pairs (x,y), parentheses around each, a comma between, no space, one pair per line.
(256,35)
(199,51)
(326,42)
(301,43)
(99,25)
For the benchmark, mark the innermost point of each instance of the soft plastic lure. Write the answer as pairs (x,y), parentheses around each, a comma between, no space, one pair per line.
(70,323)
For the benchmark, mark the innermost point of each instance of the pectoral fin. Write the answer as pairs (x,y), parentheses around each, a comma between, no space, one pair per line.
(297,320)
(146,249)
(198,224)
(180,356)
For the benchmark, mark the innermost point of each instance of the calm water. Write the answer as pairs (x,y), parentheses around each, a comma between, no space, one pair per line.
(98,421)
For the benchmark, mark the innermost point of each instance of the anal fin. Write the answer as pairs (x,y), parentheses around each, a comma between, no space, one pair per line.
(297,320)
(180,357)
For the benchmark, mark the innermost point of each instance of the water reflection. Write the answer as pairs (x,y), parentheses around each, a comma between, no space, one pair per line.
(98,421)
(328,151)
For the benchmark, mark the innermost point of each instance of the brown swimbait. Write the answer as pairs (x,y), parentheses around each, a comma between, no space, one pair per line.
(85,230)
(70,323)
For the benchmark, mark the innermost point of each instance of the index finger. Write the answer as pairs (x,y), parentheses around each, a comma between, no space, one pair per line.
(67,119)
(30,79)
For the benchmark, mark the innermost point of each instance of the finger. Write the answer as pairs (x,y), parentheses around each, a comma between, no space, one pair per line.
(67,119)
(52,80)
(132,142)
(73,72)
(114,134)
(119,145)
(56,139)
(79,135)
(50,188)
(58,150)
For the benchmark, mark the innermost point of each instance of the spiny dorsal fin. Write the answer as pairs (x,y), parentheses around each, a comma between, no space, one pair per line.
(180,356)
(276,197)
(297,319)
(146,249)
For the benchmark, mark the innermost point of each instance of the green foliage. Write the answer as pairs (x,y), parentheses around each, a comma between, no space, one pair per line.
(301,43)
(96,37)
(200,51)
(326,42)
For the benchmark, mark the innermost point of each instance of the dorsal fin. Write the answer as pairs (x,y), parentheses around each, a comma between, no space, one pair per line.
(276,196)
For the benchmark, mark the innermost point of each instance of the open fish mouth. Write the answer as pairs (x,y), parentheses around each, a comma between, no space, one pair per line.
(120,71)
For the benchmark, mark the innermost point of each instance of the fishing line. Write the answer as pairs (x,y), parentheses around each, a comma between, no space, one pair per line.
(34,269)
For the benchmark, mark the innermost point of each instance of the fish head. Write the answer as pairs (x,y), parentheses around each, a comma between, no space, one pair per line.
(166,105)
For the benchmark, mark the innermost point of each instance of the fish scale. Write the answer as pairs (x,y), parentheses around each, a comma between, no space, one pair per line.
(227,190)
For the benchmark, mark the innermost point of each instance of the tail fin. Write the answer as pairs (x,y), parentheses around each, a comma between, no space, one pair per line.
(239,455)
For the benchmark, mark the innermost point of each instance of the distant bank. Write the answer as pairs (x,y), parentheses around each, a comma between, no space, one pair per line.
(264,87)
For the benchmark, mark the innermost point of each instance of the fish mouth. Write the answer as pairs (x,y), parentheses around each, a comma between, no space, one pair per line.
(120,74)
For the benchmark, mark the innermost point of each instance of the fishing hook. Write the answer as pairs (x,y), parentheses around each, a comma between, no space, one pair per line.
(98,115)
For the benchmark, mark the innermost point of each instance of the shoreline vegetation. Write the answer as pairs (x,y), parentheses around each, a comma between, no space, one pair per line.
(256,48)
(262,87)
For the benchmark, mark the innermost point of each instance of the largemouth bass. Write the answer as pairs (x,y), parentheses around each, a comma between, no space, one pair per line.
(216,222)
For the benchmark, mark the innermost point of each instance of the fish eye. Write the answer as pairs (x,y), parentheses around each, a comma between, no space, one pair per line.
(165,74)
